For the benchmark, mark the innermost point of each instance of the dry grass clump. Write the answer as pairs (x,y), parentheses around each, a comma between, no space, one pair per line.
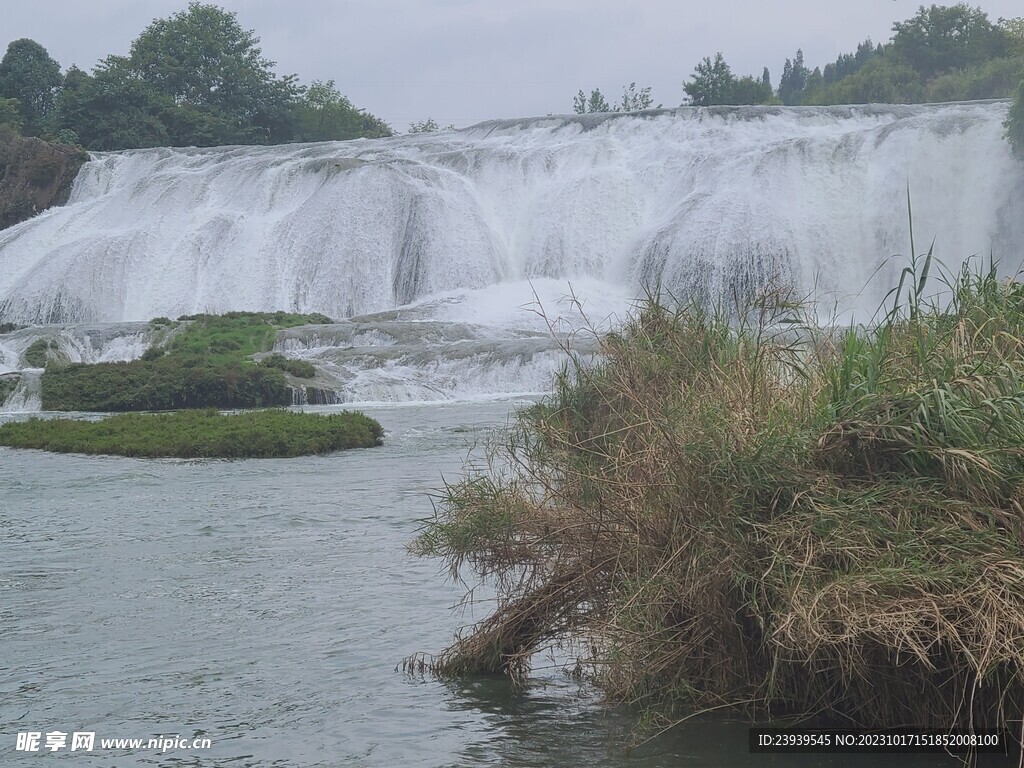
(738,508)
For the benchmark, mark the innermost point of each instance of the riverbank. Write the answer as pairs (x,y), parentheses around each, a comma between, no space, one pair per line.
(199,434)
(726,514)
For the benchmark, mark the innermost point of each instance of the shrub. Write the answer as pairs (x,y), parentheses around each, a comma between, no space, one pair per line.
(7,387)
(762,513)
(166,383)
(38,352)
(299,368)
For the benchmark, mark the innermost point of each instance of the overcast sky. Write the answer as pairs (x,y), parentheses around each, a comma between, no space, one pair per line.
(463,61)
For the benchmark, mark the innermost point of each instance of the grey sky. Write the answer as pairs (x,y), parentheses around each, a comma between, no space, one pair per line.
(462,61)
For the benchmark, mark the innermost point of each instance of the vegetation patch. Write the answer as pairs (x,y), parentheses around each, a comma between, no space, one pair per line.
(198,434)
(7,387)
(299,368)
(205,365)
(11,327)
(40,351)
(738,508)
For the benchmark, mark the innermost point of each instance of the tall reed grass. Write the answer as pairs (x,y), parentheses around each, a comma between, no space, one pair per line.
(736,507)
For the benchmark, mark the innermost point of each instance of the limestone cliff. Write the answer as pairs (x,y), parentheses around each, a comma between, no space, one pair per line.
(35,175)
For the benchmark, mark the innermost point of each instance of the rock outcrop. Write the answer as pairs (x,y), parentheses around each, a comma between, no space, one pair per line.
(35,175)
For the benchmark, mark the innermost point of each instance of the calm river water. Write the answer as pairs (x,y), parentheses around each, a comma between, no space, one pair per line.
(265,605)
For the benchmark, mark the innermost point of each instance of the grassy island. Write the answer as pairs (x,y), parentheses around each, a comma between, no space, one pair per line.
(205,364)
(198,434)
(742,509)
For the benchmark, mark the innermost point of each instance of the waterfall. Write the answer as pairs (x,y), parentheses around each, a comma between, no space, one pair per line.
(455,262)
(700,201)
(27,394)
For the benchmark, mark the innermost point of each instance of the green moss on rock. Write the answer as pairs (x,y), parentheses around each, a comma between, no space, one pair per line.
(207,364)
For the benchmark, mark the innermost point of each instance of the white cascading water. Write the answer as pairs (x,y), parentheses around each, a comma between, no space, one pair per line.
(81,343)
(464,226)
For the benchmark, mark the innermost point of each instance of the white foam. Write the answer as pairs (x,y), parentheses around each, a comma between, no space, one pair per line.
(701,201)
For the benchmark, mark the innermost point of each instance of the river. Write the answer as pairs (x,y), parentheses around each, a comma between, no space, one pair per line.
(265,605)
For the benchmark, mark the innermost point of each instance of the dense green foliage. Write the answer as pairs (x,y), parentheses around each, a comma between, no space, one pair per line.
(301,369)
(204,365)
(166,383)
(942,53)
(714,83)
(195,78)
(323,114)
(198,434)
(10,118)
(38,352)
(29,75)
(738,507)
(1015,123)
(7,387)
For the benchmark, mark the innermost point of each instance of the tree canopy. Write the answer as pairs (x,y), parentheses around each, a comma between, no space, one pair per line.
(941,53)
(794,79)
(196,77)
(211,78)
(110,109)
(28,74)
(713,83)
(939,39)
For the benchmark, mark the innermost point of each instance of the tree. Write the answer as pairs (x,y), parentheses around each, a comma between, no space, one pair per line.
(324,114)
(10,119)
(747,90)
(848,63)
(943,38)
(712,82)
(212,73)
(198,78)
(579,103)
(794,79)
(28,74)
(1013,30)
(596,103)
(1015,124)
(813,87)
(373,127)
(880,81)
(634,101)
(111,110)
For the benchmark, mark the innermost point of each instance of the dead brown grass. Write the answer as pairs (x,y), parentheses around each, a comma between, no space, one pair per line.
(742,510)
